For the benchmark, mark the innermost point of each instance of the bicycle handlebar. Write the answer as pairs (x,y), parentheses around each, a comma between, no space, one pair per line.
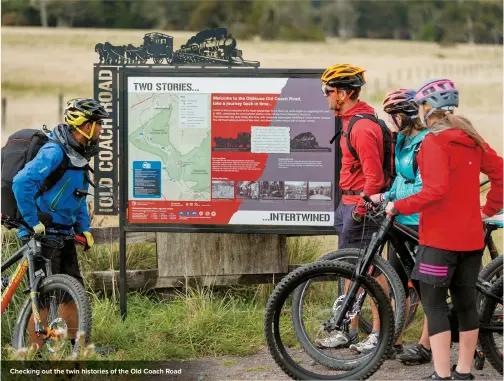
(368,199)
(79,239)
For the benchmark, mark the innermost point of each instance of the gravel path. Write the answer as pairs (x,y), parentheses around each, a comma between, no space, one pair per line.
(262,367)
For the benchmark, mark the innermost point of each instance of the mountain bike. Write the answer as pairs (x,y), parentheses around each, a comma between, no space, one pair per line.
(47,292)
(348,304)
(404,240)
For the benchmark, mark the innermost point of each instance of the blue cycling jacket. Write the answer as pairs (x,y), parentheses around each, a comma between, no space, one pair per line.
(60,201)
(405,183)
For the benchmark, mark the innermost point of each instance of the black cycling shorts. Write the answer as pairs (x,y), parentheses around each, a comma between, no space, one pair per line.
(441,268)
(63,256)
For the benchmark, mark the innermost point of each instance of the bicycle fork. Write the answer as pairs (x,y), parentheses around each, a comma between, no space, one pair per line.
(364,266)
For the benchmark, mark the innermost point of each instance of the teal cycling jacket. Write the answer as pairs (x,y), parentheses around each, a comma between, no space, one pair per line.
(406,183)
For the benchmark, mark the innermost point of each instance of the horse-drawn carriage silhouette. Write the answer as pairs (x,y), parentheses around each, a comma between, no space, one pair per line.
(157,46)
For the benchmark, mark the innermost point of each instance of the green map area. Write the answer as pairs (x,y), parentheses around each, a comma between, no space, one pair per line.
(185,153)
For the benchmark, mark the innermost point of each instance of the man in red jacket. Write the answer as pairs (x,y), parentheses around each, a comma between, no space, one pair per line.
(341,84)
(451,235)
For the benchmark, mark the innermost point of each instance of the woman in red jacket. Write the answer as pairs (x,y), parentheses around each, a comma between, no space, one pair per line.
(451,159)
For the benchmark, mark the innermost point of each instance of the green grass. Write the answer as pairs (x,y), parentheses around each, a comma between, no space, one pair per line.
(45,88)
(198,323)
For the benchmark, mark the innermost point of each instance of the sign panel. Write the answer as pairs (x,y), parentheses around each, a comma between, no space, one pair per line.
(229,150)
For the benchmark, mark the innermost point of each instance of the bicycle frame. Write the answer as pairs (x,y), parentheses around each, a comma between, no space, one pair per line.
(400,237)
(29,252)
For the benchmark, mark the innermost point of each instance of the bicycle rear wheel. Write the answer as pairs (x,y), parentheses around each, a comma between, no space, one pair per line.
(491,314)
(54,292)
(490,273)
(275,323)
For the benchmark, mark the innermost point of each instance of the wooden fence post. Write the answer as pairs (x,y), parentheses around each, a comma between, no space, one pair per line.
(4,113)
(60,108)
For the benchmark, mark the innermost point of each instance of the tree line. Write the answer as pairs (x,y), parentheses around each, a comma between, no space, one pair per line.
(442,21)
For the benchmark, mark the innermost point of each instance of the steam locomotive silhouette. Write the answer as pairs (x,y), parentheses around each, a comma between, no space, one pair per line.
(211,47)
(306,141)
(240,143)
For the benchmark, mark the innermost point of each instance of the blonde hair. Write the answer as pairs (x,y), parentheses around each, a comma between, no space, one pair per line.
(413,124)
(448,120)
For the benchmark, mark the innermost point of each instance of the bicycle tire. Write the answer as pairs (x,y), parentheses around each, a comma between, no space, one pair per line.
(386,269)
(486,339)
(489,272)
(56,282)
(274,310)
(492,269)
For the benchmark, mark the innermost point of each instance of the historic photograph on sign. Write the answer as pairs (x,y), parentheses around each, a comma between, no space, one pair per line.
(296,190)
(307,142)
(247,190)
(223,189)
(272,190)
(320,190)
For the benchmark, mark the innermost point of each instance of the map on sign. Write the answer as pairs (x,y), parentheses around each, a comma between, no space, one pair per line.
(173,129)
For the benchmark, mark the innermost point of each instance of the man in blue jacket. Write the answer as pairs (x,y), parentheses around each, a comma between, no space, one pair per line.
(65,202)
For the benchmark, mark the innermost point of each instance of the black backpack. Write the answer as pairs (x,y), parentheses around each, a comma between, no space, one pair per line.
(21,148)
(389,140)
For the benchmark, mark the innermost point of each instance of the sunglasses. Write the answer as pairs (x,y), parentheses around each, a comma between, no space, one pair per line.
(326,90)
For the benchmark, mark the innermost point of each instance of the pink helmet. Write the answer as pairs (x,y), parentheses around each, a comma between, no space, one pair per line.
(441,94)
(400,101)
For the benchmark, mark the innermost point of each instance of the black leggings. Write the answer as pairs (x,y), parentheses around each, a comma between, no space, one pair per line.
(462,269)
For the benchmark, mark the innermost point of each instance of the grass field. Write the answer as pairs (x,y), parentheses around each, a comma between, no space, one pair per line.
(38,64)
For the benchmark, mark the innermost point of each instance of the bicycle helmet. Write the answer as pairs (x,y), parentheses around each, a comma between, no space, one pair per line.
(81,110)
(401,101)
(439,94)
(344,76)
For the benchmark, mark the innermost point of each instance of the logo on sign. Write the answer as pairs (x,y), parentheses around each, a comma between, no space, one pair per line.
(146,165)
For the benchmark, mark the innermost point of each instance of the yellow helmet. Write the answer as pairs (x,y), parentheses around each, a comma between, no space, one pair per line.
(344,76)
(82,110)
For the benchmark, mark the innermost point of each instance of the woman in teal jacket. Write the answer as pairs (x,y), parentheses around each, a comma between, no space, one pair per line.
(402,112)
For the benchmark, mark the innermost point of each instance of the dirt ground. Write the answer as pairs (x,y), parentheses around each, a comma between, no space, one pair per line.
(262,367)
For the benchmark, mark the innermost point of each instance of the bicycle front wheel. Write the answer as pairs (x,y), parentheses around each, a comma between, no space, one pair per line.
(276,325)
(393,283)
(64,311)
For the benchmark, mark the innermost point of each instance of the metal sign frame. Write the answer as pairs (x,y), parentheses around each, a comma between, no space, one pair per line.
(126,227)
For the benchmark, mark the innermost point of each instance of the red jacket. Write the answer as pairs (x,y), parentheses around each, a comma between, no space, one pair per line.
(449,202)
(366,138)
